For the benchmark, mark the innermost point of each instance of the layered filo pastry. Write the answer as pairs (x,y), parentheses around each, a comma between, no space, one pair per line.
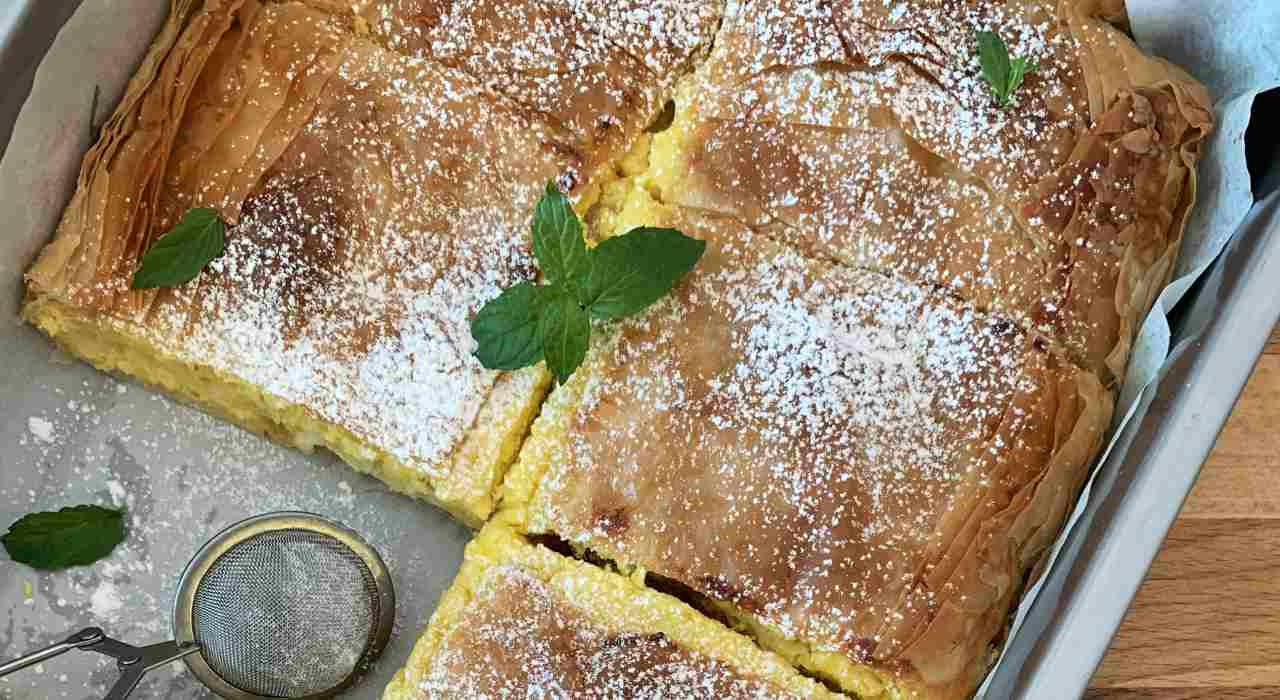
(826,464)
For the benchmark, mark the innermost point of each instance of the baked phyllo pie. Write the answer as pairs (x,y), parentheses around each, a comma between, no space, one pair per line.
(866,132)
(858,469)
(522,621)
(931,227)
(375,200)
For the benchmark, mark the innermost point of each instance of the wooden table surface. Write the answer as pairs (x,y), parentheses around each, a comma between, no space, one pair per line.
(1206,623)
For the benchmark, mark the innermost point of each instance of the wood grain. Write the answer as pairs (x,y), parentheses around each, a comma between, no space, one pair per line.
(1206,623)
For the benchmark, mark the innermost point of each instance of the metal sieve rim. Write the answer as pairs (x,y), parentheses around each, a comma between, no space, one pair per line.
(214,549)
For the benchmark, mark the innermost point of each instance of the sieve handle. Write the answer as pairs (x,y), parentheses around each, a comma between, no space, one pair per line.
(138,661)
(133,662)
(80,640)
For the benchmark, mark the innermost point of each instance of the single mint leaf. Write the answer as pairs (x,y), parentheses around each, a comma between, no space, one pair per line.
(557,239)
(993,54)
(632,271)
(506,328)
(179,255)
(69,537)
(565,329)
(1003,73)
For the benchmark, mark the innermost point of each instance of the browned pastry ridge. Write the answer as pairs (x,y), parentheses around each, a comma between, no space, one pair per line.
(851,432)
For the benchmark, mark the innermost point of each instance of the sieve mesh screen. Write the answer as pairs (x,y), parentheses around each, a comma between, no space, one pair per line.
(286,614)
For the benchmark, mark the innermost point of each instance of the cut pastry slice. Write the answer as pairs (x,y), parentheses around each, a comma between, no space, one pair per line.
(865,133)
(521,621)
(375,202)
(858,469)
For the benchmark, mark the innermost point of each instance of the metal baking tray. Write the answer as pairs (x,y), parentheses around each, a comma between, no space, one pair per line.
(191,475)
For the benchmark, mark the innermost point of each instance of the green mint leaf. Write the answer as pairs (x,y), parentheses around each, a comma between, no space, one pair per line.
(557,239)
(506,328)
(69,537)
(993,54)
(1003,73)
(179,255)
(632,271)
(565,329)
(617,278)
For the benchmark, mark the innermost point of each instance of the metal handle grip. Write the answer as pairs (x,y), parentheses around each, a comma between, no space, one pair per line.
(79,640)
(134,667)
(133,662)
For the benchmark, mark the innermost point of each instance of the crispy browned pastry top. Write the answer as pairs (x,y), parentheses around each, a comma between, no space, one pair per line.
(599,69)
(864,131)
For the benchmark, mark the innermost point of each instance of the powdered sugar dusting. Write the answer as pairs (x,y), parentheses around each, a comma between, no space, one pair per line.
(40,429)
(348,283)
(599,69)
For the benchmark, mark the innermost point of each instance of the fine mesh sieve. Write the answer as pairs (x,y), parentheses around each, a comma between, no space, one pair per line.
(284,605)
(286,614)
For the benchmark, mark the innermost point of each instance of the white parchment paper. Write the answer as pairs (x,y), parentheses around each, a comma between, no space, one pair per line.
(1232,46)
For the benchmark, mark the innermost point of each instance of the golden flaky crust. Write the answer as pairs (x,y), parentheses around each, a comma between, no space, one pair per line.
(598,69)
(377,198)
(522,621)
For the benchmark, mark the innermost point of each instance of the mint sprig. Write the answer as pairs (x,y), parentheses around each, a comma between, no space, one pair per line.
(69,537)
(618,278)
(1003,73)
(181,253)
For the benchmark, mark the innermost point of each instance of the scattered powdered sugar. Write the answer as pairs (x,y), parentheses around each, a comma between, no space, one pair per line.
(40,429)
(887,151)
(105,601)
(399,205)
